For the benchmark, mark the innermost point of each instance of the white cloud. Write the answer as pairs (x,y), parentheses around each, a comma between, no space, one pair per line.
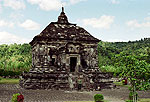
(6,24)
(75,1)
(30,25)
(34,1)
(136,24)
(16,15)
(147,18)
(115,2)
(47,4)
(8,38)
(133,23)
(14,4)
(104,22)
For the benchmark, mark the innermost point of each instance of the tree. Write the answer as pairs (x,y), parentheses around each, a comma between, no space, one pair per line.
(138,72)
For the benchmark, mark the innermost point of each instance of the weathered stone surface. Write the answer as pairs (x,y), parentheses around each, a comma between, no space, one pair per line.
(62,55)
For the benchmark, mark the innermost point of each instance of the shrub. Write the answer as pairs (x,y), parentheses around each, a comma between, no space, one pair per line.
(14,98)
(17,97)
(9,73)
(98,97)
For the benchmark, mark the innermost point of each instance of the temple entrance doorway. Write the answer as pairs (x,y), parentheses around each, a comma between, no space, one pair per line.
(53,61)
(73,63)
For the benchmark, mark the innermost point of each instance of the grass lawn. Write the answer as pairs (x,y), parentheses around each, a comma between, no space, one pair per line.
(120,84)
(9,81)
(84,101)
(144,100)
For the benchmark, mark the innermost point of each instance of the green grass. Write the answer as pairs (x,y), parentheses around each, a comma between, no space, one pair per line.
(120,84)
(144,100)
(85,101)
(9,81)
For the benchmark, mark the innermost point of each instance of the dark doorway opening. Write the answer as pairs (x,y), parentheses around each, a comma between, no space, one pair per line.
(53,61)
(73,62)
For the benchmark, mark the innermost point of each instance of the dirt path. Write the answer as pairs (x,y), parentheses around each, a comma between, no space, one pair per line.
(112,95)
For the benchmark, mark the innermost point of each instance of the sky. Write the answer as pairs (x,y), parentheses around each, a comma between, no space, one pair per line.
(107,20)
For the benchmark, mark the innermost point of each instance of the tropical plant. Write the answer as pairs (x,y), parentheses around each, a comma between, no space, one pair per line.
(98,98)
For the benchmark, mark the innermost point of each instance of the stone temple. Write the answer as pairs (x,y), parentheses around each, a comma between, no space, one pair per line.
(65,57)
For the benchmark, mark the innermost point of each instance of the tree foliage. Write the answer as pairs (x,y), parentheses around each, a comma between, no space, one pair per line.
(15,57)
(127,59)
(110,53)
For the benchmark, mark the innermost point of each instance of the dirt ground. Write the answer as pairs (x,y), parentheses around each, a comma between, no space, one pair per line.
(118,94)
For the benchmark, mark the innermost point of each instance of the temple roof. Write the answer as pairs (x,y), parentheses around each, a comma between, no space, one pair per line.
(64,30)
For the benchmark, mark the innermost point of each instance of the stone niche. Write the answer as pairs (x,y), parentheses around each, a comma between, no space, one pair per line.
(62,55)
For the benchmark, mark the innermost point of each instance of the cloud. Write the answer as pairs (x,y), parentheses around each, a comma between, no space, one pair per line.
(14,4)
(104,22)
(147,18)
(6,23)
(8,38)
(75,1)
(47,4)
(115,2)
(16,15)
(136,24)
(30,25)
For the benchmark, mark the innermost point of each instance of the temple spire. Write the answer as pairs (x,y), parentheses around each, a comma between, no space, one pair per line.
(62,18)
(62,9)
